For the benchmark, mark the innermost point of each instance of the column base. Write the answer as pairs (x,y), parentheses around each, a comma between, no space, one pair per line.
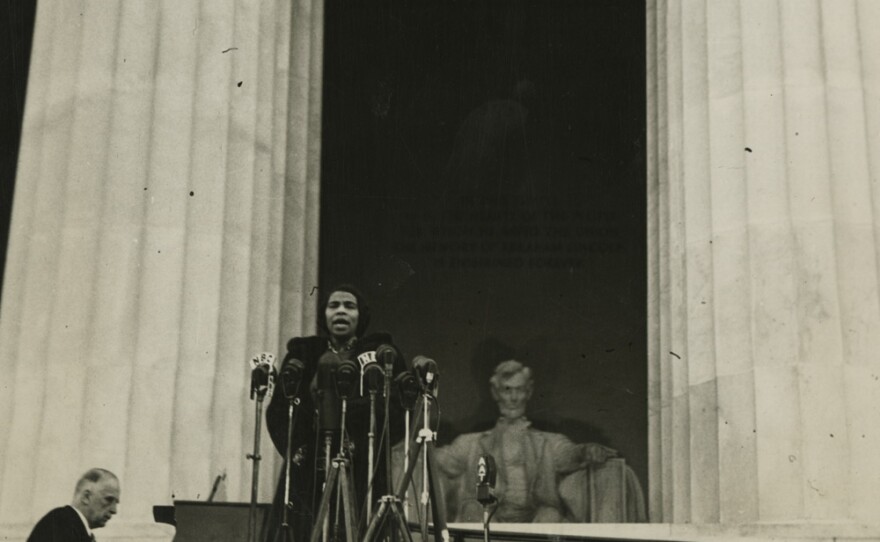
(114,532)
(816,531)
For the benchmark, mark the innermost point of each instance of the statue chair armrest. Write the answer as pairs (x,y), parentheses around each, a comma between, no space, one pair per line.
(608,492)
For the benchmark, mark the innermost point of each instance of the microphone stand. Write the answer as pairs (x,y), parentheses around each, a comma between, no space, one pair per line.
(428,376)
(486,473)
(389,370)
(341,455)
(369,375)
(391,506)
(487,515)
(260,390)
(406,462)
(371,452)
(338,479)
(410,391)
(285,521)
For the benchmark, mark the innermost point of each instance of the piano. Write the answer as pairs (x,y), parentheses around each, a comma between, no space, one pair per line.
(202,521)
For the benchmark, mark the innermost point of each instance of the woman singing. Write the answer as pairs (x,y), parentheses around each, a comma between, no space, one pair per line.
(317,422)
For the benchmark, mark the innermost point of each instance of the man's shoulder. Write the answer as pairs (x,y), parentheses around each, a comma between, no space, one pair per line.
(60,512)
(58,525)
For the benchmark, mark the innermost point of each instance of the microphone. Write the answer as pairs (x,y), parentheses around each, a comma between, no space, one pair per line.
(262,374)
(486,474)
(347,377)
(291,377)
(374,375)
(386,355)
(408,387)
(328,401)
(427,371)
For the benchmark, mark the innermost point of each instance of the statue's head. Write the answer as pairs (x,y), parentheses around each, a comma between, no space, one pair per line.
(511,388)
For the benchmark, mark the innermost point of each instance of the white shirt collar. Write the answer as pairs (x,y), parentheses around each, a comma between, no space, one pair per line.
(83,519)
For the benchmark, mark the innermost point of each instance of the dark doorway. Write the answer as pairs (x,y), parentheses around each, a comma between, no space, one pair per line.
(483,180)
(17,24)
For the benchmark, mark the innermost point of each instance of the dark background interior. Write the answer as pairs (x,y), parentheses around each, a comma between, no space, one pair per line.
(483,181)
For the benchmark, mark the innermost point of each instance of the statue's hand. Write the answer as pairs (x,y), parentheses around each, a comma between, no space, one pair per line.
(596,453)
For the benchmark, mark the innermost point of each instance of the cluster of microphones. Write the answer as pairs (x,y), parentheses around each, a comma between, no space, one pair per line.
(340,379)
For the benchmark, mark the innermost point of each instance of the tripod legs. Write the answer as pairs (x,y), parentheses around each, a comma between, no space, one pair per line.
(391,505)
(390,511)
(337,480)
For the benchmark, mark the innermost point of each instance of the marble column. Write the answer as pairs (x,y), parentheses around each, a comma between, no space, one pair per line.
(764,310)
(164,231)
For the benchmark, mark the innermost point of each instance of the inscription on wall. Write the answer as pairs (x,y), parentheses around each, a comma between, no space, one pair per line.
(507,232)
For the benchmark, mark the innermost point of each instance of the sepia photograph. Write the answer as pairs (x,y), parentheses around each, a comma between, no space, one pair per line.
(461,270)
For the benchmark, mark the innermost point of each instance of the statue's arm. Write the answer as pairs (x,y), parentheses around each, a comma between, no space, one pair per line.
(569,457)
(452,459)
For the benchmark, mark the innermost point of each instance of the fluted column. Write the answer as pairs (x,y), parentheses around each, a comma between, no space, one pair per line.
(763,218)
(159,194)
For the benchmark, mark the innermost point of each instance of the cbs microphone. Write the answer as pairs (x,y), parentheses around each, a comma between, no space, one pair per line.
(486,474)
(427,371)
(386,355)
(408,389)
(291,378)
(262,374)
(328,400)
(374,375)
(346,378)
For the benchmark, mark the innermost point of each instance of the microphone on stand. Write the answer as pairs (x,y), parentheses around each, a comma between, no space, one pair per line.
(387,355)
(374,375)
(346,378)
(327,403)
(291,378)
(328,399)
(428,373)
(262,384)
(486,474)
(262,374)
(408,388)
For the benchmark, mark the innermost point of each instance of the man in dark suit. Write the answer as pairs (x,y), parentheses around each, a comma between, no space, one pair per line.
(94,503)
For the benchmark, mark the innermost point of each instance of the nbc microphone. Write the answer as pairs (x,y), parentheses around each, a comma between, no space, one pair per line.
(262,374)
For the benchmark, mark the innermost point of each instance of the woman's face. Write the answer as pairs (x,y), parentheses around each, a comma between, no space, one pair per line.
(342,315)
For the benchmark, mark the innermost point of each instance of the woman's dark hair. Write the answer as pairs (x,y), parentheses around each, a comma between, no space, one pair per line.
(363,309)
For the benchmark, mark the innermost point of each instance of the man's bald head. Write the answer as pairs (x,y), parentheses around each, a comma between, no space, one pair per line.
(96,496)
